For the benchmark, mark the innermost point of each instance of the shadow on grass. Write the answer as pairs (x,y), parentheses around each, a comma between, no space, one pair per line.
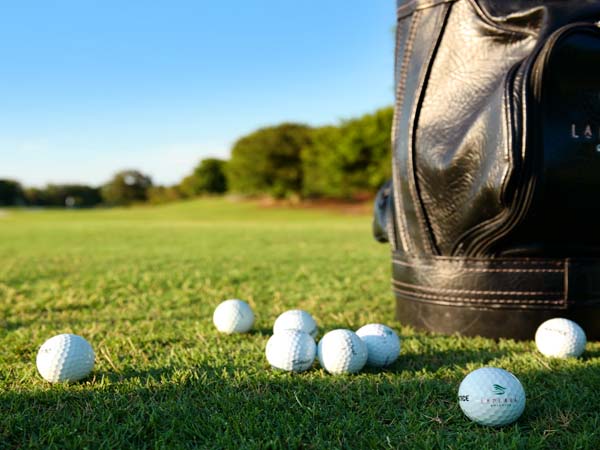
(261,331)
(12,325)
(222,406)
(432,361)
(590,354)
(155,374)
(214,407)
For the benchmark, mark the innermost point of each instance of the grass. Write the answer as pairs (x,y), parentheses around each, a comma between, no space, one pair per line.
(141,285)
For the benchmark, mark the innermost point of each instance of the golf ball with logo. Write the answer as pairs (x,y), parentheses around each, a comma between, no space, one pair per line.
(491,396)
(296,319)
(342,351)
(65,358)
(383,344)
(560,338)
(291,350)
(233,316)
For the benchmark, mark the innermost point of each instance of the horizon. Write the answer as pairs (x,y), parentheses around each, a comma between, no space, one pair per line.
(92,90)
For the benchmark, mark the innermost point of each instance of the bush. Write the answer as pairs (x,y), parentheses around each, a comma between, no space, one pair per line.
(208,178)
(323,176)
(351,159)
(367,157)
(126,187)
(163,194)
(61,195)
(268,161)
(11,193)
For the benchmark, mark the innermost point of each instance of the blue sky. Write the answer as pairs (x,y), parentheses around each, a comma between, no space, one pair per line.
(91,87)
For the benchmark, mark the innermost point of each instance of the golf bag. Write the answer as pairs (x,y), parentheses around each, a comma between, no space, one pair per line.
(493,214)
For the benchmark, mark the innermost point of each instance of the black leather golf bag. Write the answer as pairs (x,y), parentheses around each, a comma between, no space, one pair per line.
(493,214)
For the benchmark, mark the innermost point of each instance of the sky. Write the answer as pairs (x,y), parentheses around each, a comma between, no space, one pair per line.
(88,88)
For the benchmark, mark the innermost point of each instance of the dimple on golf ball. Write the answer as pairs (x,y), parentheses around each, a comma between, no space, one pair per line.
(560,338)
(291,350)
(383,344)
(342,351)
(233,316)
(65,358)
(296,319)
(491,396)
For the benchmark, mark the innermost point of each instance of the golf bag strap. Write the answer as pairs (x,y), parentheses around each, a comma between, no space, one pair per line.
(521,283)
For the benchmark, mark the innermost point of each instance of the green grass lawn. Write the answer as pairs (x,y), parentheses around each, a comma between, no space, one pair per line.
(141,285)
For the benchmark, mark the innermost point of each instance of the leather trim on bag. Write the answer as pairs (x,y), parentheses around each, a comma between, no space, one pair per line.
(474,292)
(416,5)
(400,89)
(420,212)
(522,283)
(500,23)
(487,302)
(416,65)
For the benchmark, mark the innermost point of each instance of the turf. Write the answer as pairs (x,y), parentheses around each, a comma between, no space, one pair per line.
(141,284)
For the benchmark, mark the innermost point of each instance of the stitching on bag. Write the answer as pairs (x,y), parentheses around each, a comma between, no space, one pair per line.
(408,296)
(488,261)
(482,301)
(487,269)
(474,292)
(502,261)
(566,276)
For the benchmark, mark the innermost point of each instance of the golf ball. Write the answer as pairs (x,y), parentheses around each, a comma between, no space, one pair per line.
(491,396)
(342,351)
(65,358)
(291,350)
(233,316)
(296,319)
(383,344)
(560,338)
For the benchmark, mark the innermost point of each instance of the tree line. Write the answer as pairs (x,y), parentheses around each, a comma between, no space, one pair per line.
(289,160)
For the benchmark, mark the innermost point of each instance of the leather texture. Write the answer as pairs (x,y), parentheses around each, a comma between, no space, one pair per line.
(493,208)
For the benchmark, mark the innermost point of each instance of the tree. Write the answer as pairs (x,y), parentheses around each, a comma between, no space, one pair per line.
(126,187)
(61,195)
(323,175)
(163,194)
(11,193)
(366,150)
(268,161)
(208,178)
(35,197)
(351,159)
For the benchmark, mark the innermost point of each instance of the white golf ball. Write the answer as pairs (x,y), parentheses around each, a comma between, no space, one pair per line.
(560,338)
(342,351)
(233,316)
(383,344)
(296,319)
(291,350)
(491,396)
(65,358)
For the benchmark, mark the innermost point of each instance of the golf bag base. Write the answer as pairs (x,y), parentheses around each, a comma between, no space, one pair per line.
(505,297)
